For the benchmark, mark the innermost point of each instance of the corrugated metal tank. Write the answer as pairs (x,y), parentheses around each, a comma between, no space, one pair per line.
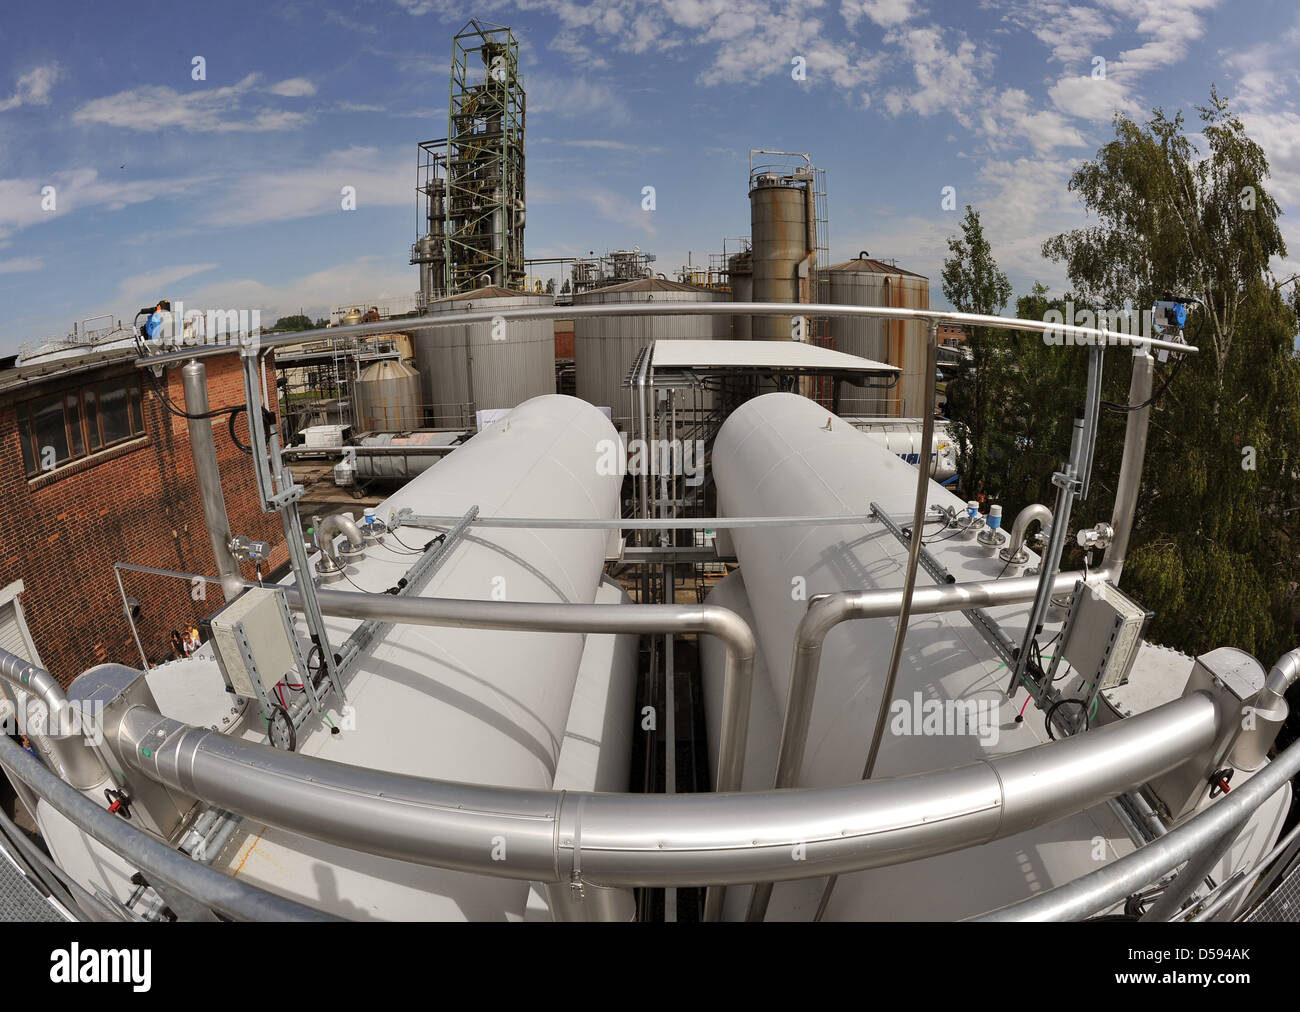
(778,214)
(463,369)
(386,397)
(605,348)
(868,282)
(740,274)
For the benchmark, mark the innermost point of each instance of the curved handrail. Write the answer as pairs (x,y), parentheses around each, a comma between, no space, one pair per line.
(1081,335)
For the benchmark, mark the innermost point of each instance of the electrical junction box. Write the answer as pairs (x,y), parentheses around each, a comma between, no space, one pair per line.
(255,644)
(1103,634)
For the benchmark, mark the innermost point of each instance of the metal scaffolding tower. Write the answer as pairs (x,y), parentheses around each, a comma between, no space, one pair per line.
(472,182)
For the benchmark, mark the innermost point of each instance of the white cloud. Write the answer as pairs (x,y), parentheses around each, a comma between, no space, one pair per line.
(381,179)
(21,199)
(1045,129)
(33,87)
(19,265)
(885,13)
(293,87)
(1094,99)
(576,96)
(208,110)
(948,80)
(141,288)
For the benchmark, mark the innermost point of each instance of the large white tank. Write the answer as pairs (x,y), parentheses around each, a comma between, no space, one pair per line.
(476,706)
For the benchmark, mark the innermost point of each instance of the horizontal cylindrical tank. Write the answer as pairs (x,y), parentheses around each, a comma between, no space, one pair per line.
(902,437)
(868,282)
(473,367)
(397,467)
(778,213)
(386,397)
(783,455)
(466,705)
(605,348)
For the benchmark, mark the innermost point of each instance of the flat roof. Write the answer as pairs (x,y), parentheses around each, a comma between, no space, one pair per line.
(791,355)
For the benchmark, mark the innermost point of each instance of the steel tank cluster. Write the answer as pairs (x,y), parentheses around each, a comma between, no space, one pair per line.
(484,365)
(606,348)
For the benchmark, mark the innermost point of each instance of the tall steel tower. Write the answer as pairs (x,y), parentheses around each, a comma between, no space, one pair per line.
(471,183)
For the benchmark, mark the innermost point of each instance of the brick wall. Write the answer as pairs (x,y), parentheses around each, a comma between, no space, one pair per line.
(137,502)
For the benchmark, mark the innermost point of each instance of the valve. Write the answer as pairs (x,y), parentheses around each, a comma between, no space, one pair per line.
(1219,781)
(119,803)
(1099,536)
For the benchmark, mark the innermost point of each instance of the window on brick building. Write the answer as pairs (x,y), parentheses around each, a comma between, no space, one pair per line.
(67,426)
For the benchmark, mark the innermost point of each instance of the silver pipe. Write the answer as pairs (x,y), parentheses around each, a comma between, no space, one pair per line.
(656,523)
(27,677)
(204,448)
(1130,470)
(1284,674)
(62,741)
(1106,886)
(1187,881)
(729,627)
(330,528)
(159,862)
(827,611)
(1082,336)
(913,554)
(1240,882)
(663,840)
(1015,552)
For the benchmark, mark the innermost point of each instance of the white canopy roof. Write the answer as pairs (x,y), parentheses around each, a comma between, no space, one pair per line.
(796,355)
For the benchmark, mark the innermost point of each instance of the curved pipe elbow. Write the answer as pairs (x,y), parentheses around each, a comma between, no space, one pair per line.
(334,525)
(1015,551)
(1284,674)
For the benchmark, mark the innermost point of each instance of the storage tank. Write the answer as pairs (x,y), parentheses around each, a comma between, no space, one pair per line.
(740,274)
(868,282)
(781,240)
(398,467)
(472,705)
(352,316)
(463,369)
(782,455)
(605,348)
(386,397)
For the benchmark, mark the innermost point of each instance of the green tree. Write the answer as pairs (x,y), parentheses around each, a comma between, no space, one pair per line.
(1214,551)
(973,283)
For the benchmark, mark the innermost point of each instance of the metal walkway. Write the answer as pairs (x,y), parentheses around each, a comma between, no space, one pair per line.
(20,900)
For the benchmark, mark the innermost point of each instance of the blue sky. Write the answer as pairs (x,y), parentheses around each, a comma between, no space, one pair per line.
(225,192)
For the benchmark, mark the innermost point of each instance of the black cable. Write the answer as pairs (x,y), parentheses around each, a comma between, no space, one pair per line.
(1124,408)
(999,576)
(1053,708)
(1196,338)
(235,439)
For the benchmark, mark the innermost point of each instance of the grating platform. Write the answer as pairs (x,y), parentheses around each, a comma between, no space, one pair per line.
(19,899)
(1283,903)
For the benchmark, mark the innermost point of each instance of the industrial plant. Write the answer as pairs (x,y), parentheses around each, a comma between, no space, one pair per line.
(652,598)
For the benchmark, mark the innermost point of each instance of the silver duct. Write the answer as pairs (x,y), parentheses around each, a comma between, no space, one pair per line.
(663,840)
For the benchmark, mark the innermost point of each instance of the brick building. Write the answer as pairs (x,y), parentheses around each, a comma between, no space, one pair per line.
(96,470)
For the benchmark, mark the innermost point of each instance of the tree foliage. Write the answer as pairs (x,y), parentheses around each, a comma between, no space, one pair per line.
(1214,551)
(973,283)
